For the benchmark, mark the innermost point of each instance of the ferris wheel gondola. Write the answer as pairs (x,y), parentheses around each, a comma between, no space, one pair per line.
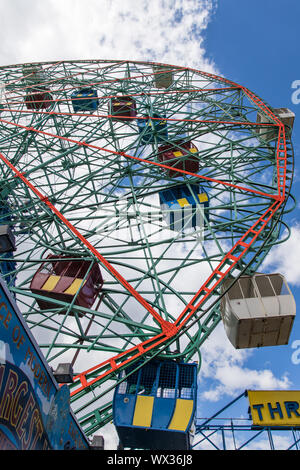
(99,150)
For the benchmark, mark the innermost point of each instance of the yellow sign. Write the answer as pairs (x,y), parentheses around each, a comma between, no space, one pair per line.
(275,408)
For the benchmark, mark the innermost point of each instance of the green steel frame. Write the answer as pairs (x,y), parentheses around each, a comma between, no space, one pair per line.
(82,183)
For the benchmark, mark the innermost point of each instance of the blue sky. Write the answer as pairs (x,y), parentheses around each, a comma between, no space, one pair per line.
(256,44)
(252,42)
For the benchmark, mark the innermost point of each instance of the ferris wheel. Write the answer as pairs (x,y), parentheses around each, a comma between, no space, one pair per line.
(134,196)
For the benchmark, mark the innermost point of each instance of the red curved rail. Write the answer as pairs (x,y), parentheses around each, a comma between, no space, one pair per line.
(227,264)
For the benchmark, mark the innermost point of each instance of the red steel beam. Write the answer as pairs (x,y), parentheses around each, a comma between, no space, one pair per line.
(224,267)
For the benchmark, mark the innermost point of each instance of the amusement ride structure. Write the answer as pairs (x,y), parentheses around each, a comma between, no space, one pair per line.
(138,201)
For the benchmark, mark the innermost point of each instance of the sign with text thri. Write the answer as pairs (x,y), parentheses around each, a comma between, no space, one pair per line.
(274,407)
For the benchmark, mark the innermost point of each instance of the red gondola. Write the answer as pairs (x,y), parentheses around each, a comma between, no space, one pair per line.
(38,99)
(179,154)
(122,108)
(60,278)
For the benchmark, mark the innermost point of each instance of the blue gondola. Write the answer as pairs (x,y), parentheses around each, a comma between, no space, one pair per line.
(154,408)
(153,130)
(182,207)
(85,100)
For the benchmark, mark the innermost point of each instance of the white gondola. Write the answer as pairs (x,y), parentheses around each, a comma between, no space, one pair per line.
(162,80)
(266,133)
(2,96)
(33,74)
(258,311)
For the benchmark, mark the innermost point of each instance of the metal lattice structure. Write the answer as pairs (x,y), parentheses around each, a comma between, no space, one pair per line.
(228,433)
(77,182)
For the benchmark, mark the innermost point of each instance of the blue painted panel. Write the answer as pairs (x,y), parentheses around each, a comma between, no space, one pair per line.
(85,100)
(152,130)
(162,412)
(43,418)
(168,379)
(174,213)
(124,405)
(170,196)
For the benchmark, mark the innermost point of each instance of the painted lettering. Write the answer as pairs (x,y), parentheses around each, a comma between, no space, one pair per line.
(16,408)
(39,375)
(292,407)
(21,425)
(258,409)
(7,320)
(274,410)
(3,305)
(34,422)
(8,395)
(17,336)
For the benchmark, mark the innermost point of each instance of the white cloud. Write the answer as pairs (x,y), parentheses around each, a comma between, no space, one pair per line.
(237,377)
(279,258)
(169,31)
(227,371)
